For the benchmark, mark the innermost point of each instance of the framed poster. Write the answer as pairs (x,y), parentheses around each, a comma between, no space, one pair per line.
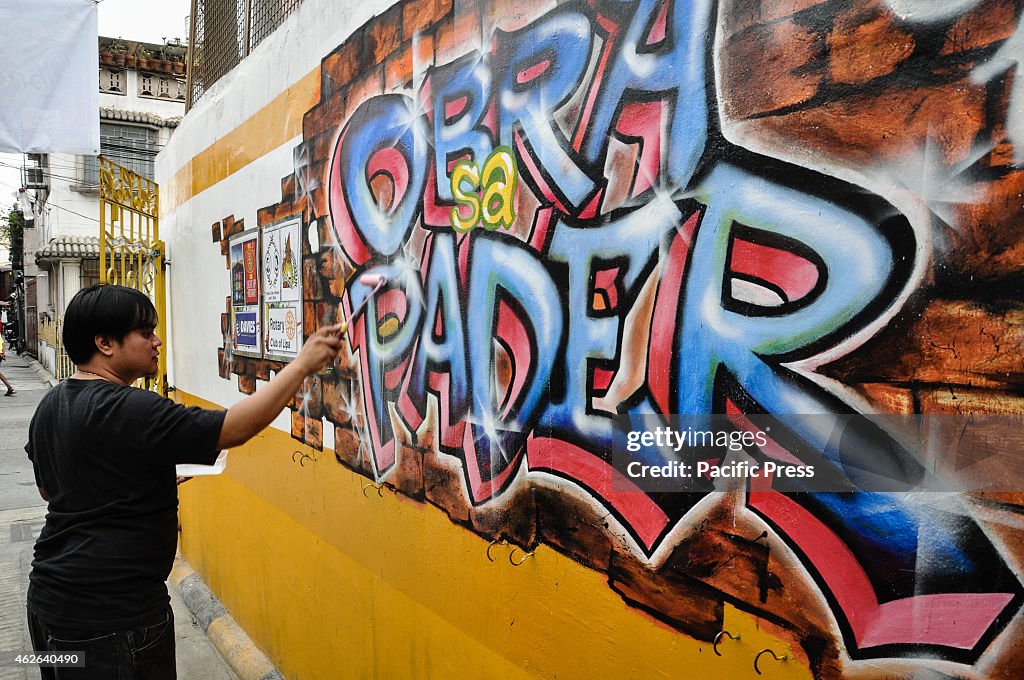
(246,331)
(282,289)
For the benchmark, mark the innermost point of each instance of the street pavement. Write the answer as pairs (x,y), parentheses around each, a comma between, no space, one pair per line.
(22,514)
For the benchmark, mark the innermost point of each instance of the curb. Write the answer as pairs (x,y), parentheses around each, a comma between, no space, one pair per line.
(40,370)
(230,641)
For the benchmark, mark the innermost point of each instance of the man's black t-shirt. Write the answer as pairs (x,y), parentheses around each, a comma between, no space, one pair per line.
(105,455)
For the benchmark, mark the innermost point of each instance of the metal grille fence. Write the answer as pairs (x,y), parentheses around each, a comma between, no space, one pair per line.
(31,322)
(224,32)
(51,331)
(131,252)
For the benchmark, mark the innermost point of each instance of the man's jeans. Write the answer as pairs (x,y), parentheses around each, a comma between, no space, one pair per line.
(145,652)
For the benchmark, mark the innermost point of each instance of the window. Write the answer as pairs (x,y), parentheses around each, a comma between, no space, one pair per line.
(112,81)
(160,86)
(90,272)
(128,145)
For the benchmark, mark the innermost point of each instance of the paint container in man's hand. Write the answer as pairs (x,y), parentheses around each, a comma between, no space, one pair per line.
(378,281)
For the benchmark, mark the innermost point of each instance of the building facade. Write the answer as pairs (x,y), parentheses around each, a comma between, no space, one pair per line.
(142,99)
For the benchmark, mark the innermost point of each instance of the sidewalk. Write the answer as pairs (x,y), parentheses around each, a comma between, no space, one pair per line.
(21,517)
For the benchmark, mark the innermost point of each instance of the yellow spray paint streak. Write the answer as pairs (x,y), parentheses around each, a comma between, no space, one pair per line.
(332,583)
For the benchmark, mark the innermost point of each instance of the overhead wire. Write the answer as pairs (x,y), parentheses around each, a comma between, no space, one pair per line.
(77,179)
(45,173)
(126,151)
(55,205)
(110,150)
(106,146)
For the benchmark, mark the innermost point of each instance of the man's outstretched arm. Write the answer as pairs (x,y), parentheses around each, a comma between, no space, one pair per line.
(248,417)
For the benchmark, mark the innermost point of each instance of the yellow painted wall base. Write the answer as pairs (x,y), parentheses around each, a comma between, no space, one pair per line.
(335,584)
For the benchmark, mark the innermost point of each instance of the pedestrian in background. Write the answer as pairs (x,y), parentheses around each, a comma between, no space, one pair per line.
(104,453)
(3,378)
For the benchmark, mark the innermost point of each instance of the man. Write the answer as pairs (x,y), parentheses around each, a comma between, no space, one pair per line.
(104,455)
(3,378)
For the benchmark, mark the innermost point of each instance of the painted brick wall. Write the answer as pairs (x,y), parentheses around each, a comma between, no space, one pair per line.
(844,101)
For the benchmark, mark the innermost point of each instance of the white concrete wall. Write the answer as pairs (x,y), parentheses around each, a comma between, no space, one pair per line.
(292,51)
(47,357)
(198,281)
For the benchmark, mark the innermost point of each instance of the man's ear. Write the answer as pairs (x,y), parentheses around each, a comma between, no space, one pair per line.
(104,345)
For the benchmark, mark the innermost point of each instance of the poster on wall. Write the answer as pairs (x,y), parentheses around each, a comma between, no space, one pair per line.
(245,293)
(282,289)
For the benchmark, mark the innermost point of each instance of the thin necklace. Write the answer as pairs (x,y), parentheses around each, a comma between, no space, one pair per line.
(102,377)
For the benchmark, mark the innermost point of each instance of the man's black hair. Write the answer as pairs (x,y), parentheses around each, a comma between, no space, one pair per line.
(111,311)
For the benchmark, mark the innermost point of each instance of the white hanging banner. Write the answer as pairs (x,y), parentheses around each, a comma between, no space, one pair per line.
(49,61)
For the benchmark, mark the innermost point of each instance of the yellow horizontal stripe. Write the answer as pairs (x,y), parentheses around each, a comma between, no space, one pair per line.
(264,131)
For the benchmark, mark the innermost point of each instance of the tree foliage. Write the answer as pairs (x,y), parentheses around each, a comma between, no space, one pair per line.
(12,232)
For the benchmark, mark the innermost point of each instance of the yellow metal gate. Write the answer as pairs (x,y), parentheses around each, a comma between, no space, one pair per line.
(131,252)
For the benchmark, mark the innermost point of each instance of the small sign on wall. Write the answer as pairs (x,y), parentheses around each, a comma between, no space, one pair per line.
(283,337)
(246,332)
(282,289)
(252,275)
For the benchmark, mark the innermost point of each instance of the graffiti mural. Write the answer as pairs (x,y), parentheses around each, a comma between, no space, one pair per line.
(602,210)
